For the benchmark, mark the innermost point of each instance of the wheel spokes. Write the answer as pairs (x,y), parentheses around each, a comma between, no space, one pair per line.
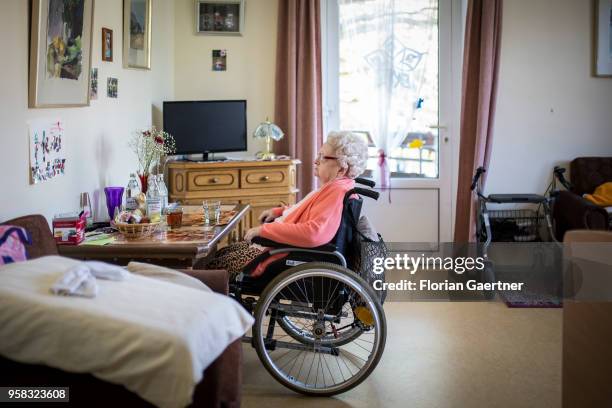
(302,343)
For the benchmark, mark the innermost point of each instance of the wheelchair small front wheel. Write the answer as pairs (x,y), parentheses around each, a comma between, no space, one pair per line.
(316,294)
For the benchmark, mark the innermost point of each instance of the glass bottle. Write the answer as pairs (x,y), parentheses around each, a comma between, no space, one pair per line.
(153,200)
(163,192)
(131,193)
(86,208)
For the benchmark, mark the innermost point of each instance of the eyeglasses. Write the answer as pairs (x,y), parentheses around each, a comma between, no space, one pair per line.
(320,157)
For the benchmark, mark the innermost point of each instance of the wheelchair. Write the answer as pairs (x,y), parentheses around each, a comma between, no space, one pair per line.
(320,328)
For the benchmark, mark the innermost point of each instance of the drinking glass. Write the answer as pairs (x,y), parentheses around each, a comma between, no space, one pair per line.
(174,217)
(212,210)
(206,208)
(216,205)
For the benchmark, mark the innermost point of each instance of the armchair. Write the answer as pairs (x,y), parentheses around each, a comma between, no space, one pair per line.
(570,210)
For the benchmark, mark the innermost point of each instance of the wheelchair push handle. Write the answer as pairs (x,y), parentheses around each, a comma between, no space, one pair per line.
(365,182)
(479,171)
(365,192)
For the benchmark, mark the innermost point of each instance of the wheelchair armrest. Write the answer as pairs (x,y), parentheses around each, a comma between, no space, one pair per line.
(273,244)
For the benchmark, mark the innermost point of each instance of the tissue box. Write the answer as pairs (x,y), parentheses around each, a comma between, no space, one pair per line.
(69,228)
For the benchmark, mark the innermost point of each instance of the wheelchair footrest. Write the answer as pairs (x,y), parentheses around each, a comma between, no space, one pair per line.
(334,351)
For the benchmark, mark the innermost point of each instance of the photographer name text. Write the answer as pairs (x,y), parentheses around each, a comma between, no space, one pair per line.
(429,285)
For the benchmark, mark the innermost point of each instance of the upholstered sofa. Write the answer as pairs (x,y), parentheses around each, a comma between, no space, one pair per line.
(570,210)
(220,387)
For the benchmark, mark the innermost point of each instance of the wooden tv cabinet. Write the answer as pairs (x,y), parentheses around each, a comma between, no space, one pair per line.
(261,184)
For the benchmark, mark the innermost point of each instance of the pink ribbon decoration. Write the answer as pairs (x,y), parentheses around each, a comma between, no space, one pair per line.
(385,179)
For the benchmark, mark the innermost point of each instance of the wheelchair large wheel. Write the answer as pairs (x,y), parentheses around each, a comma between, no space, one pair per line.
(319,294)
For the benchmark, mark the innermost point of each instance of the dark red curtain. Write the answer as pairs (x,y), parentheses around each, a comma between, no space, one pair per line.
(298,100)
(480,72)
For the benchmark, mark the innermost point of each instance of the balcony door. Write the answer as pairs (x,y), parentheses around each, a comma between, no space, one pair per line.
(392,75)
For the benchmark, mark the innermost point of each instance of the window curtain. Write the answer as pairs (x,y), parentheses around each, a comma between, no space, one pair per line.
(480,71)
(298,95)
(386,50)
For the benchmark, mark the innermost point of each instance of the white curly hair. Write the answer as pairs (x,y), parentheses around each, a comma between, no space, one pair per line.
(351,151)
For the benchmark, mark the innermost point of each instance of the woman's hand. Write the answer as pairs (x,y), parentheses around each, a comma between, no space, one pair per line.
(267,216)
(252,233)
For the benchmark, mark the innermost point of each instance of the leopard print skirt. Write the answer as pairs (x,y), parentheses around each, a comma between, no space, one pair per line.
(234,257)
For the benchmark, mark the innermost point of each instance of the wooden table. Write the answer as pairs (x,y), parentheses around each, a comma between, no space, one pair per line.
(191,245)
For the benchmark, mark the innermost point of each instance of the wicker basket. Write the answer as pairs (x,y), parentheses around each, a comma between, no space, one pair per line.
(135,231)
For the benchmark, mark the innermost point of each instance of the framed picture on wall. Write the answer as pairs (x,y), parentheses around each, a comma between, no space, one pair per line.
(107,44)
(137,34)
(603,38)
(219,17)
(60,53)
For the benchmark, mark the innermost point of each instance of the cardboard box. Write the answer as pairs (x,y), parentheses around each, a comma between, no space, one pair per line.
(69,228)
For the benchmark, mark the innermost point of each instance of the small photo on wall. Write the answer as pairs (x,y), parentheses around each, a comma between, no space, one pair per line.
(107,44)
(112,87)
(93,90)
(219,60)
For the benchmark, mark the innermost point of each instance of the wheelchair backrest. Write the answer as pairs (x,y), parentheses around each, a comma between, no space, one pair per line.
(351,212)
(350,216)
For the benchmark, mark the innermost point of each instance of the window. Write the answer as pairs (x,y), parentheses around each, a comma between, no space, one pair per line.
(381,63)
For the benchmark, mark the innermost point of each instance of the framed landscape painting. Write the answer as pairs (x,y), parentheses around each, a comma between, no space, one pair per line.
(60,53)
(137,34)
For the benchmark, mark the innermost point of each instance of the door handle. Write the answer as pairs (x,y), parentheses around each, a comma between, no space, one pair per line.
(440,127)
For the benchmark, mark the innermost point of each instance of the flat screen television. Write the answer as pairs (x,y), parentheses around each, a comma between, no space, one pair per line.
(206,126)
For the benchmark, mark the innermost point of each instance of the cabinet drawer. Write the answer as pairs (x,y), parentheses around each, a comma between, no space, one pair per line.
(258,178)
(212,180)
(260,204)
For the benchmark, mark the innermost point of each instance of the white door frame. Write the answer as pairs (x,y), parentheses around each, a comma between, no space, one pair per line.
(451,30)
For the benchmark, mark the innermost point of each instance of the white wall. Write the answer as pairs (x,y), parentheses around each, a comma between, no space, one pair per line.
(549,109)
(96,136)
(251,63)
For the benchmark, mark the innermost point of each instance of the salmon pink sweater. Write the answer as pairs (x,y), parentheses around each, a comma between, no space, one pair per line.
(312,223)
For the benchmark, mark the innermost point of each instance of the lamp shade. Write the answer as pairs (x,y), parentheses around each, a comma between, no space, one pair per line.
(268,129)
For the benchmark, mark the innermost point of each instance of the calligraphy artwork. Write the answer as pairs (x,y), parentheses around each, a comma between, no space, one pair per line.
(47,158)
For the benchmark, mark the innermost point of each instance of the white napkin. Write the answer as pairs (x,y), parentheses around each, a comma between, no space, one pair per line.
(78,281)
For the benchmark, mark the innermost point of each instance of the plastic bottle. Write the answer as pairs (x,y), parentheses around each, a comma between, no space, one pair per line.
(153,200)
(131,193)
(163,192)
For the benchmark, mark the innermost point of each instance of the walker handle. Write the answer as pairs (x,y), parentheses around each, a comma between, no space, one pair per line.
(479,171)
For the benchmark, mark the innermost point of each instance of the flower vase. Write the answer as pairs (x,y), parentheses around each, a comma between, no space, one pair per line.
(144,178)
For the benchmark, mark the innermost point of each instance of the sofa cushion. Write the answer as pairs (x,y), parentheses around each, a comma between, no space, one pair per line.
(602,196)
(12,244)
(167,274)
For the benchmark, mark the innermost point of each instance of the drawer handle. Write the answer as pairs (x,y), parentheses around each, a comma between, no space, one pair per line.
(214,180)
(265,178)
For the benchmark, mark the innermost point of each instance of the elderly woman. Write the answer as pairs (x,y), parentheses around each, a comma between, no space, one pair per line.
(315,219)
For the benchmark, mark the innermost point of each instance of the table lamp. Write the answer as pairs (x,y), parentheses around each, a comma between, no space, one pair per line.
(269,131)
